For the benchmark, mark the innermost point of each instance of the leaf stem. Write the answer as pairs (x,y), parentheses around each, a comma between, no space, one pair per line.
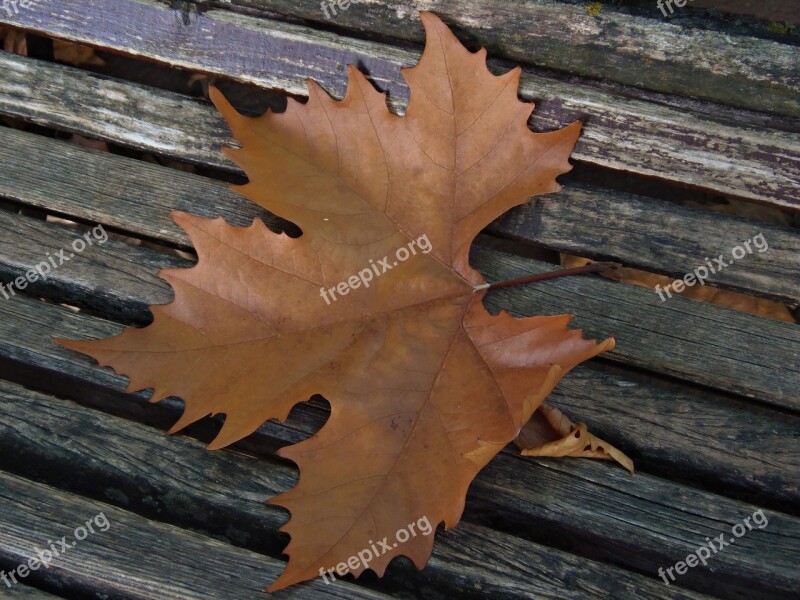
(607,269)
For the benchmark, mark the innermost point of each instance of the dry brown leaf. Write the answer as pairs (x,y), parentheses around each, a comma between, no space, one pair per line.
(80,140)
(425,385)
(74,54)
(551,433)
(705,293)
(15,41)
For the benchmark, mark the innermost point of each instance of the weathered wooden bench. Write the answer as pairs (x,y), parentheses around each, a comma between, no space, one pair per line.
(680,114)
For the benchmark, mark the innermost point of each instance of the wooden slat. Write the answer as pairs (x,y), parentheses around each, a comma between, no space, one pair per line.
(79,283)
(222,494)
(754,356)
(135,558)
(621,133)
(129,195)
(127,114)
(136,197)
(600,511)
(644,51)
(660,237)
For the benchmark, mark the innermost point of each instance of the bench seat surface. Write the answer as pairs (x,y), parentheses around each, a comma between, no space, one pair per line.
(705,399)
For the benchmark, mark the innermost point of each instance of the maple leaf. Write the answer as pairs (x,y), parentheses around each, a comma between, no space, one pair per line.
(425,386)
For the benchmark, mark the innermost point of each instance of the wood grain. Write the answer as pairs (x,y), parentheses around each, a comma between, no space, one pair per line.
(621,133)
(122,193)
